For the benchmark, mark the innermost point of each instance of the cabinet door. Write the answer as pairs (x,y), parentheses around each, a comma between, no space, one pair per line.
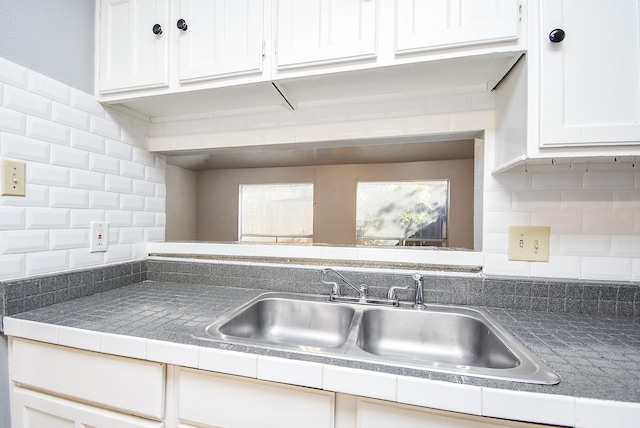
(208,399)
(590,82)
(223,38)
(437,24)
(130,55)
(31,409)
(313,32)
(382,414)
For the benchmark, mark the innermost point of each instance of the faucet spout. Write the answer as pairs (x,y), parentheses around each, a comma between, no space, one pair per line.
(362,290)
(419,283)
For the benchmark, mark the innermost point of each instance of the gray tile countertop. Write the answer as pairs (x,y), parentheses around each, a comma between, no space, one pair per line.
(595,356)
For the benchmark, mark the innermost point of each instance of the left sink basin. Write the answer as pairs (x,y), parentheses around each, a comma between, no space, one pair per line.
(301,323)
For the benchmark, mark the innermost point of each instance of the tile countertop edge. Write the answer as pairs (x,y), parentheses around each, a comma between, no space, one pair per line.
(442,395)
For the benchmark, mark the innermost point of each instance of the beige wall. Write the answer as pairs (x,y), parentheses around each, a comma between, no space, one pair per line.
(182,196)
(335,196)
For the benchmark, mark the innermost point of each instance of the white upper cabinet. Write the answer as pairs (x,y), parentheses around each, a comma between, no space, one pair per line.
(590,81)
(222,38)
(437,24)
(133,44)
(312,32)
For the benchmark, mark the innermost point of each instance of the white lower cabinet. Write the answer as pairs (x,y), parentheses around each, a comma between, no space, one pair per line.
(383,414)
(210,399)
(36,410)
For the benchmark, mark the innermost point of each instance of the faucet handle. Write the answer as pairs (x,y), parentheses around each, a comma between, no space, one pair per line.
(391,294)
(417,276)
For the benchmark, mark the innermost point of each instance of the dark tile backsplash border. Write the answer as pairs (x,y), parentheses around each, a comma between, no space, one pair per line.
(542,295)
(532,294)
(36,292)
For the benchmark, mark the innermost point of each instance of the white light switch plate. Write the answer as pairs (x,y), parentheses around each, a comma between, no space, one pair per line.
(99,237)
(529,243)
(13,177)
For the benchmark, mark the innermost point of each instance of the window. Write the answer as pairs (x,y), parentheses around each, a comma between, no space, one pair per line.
(280,213)
(402,213)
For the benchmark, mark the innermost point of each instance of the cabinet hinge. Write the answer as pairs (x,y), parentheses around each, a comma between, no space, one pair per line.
(520,13)
(264,49)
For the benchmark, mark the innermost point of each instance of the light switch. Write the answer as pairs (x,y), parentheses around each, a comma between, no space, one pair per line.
(529,243)
(13,178)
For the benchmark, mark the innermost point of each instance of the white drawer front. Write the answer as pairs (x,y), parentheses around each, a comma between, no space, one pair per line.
(125,384)
(228,401)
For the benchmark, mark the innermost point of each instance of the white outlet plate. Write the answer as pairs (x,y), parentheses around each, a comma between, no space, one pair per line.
(99,237)
(529,243)
(13,178)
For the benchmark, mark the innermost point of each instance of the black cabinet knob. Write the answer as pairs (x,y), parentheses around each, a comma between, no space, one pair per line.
(557,35)
(182,24)
(157,29)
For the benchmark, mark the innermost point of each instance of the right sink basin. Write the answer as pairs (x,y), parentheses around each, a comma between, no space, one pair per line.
(416,336)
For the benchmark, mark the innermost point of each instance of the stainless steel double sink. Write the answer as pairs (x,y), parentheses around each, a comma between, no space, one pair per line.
(448,339)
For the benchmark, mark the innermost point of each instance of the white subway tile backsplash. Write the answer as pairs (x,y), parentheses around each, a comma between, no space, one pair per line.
(625,246)
(154,234)
(407,107)
(499,222)
(117,149)
(628,200)
(131,170)
(104,200)
(560,223)
(385,127)
(14,218)
(26,102)
(12,121)
(129,235)
(161,190)
(81,179)
(141,156)
(79,258)
(47,131)
(330,114)
(586,200)
(69,198)
(607,223)
(86,141)
(161,162)
(606,268)
(508,182)
(585,245)
(155,175)
(49,88)
(118,253)
(71,117)
(115,183)
(47,261)
(104,127)
(51,175)
(72,158)
(12,266)
(140,219)
(132,202)
(161,219)
(144,188)
(13,74)
(23,241)
(48,218)
(618,180)
(536,201)
(232,123)
(14,146)
(71,238)
(557,267)
(35,196)
(102,163)
(560,181)
(87,103)
(155,204)
(364,111)
(119,218)
(254,121)
(134,137)
(83,218)
(449,103)
(496,201)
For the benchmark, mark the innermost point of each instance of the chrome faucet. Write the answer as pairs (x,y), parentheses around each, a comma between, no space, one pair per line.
(362,290)
(419,283)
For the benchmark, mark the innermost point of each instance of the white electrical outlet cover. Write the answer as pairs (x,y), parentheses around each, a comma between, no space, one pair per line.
(99,239)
